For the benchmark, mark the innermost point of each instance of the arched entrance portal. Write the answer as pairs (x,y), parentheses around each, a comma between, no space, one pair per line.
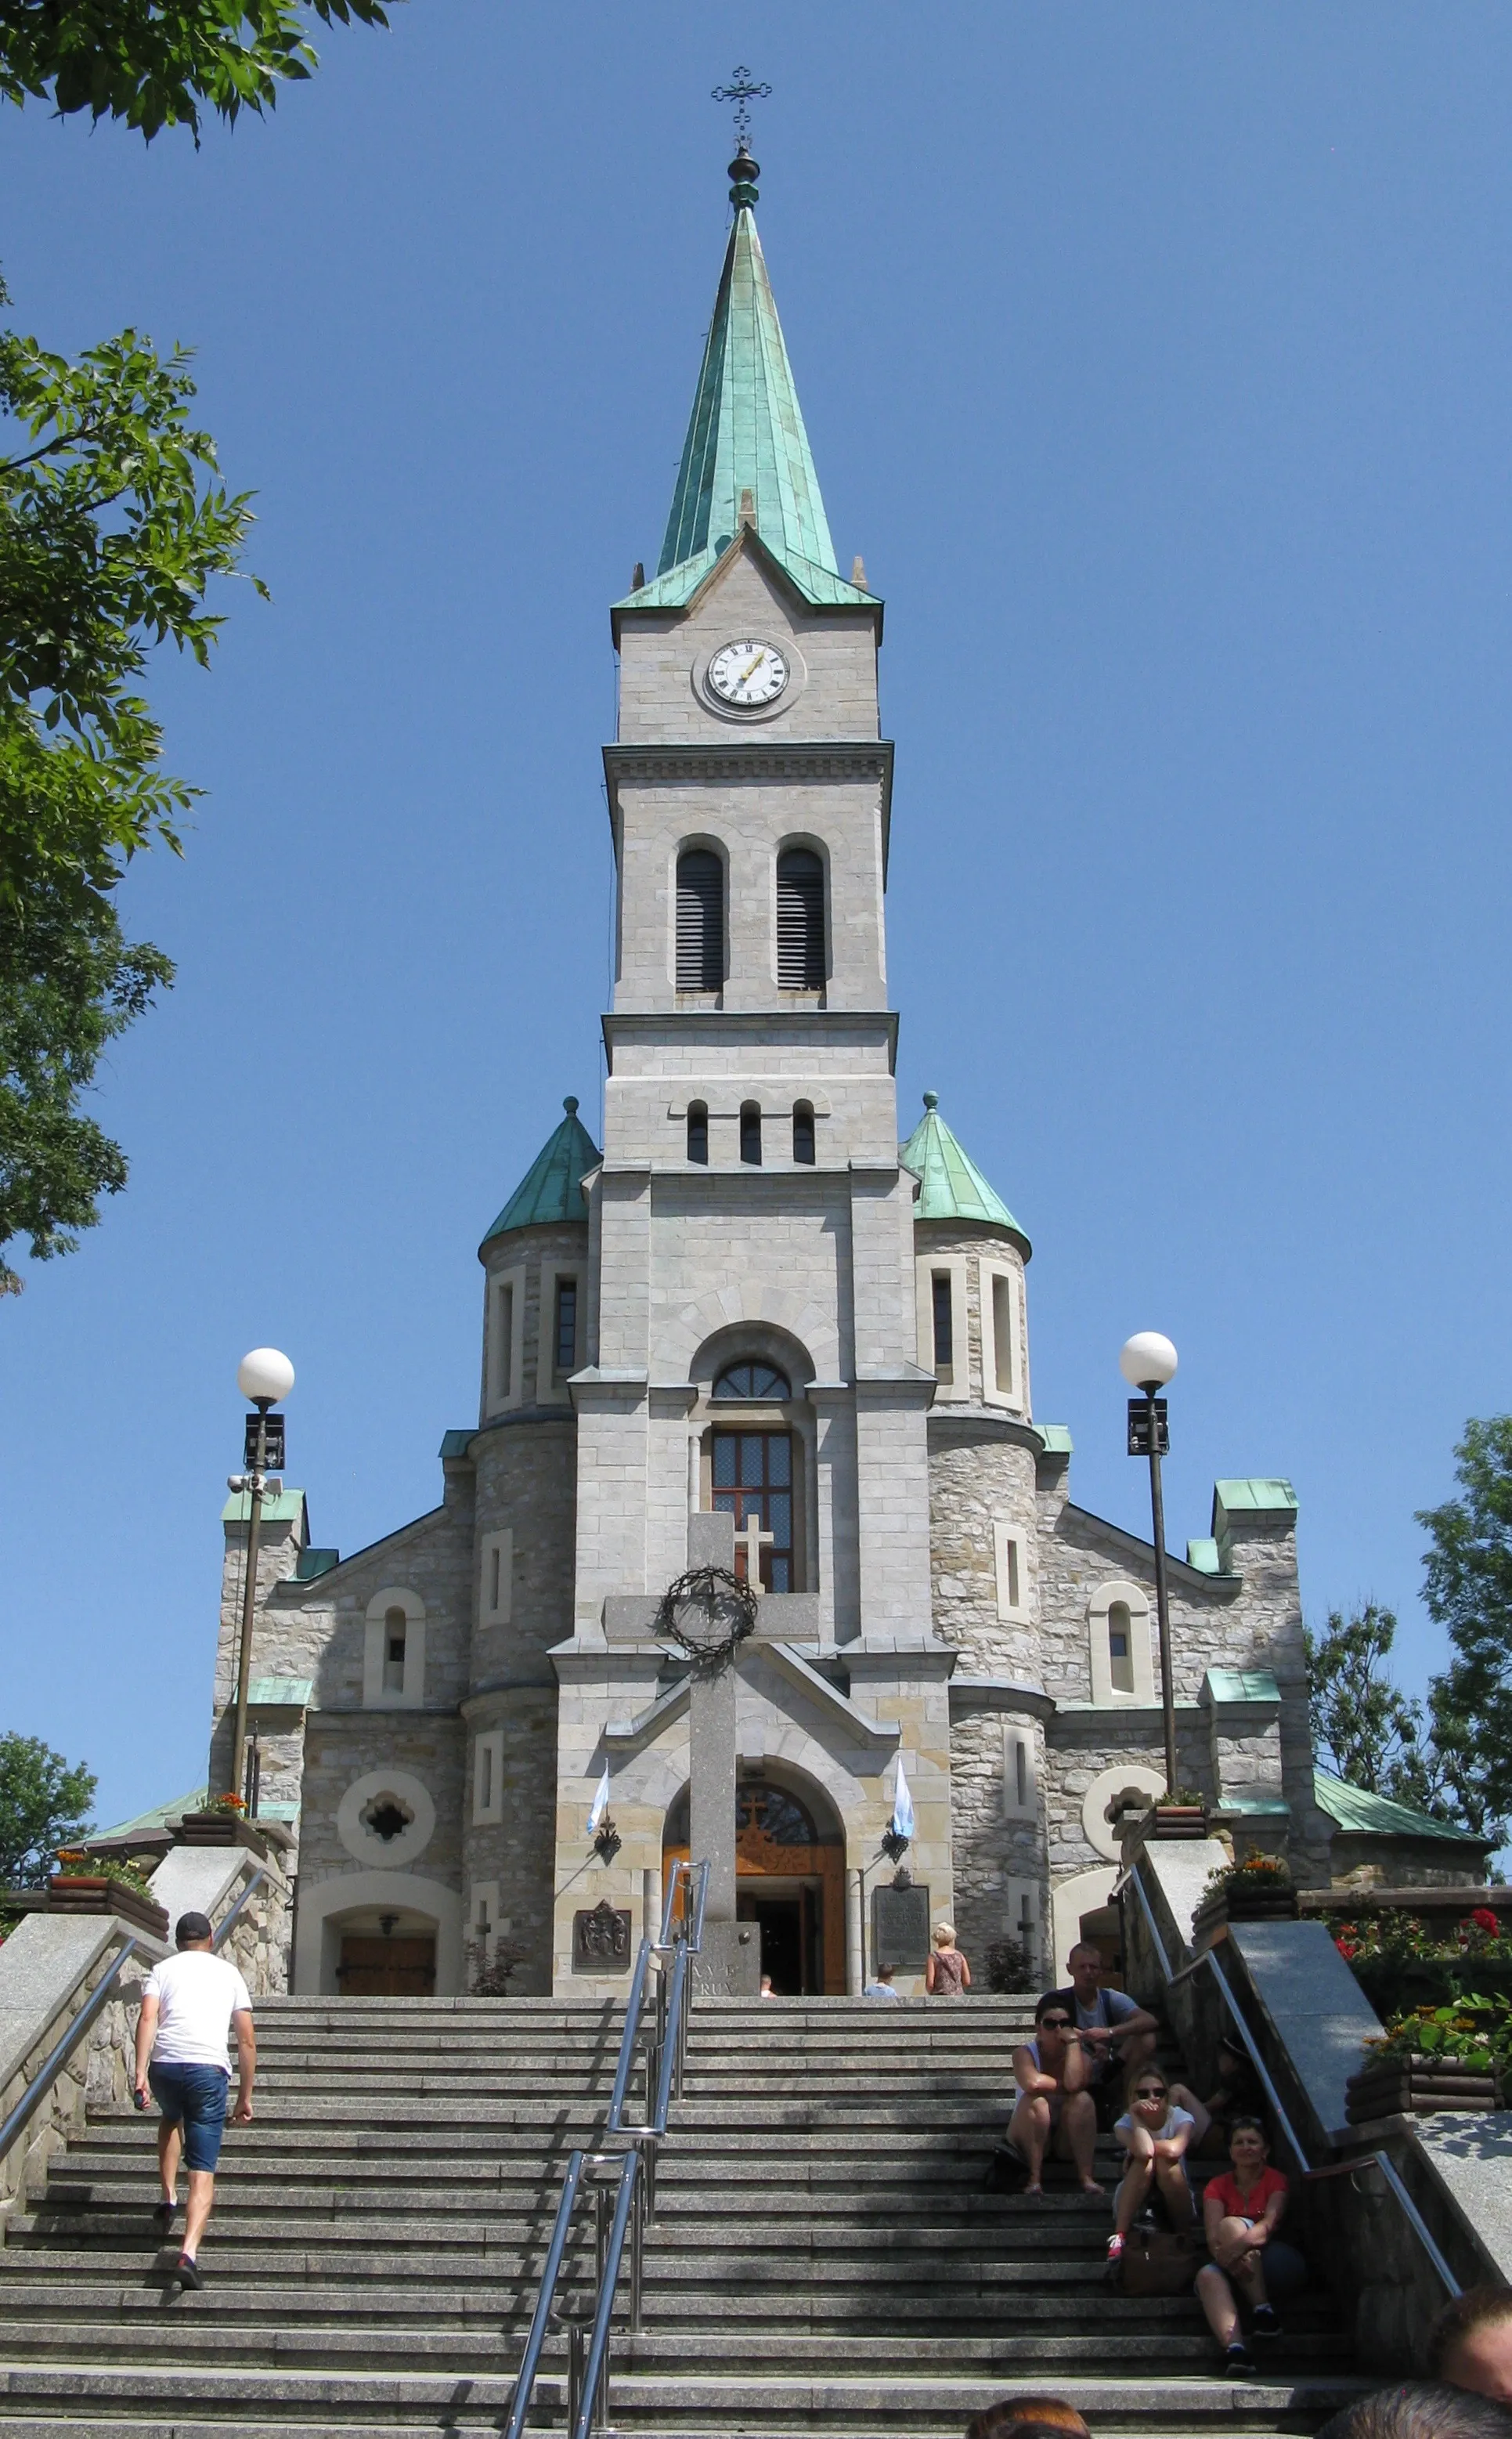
(789,1865)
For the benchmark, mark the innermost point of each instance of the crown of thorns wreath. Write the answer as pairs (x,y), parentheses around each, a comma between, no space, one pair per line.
(707,1613)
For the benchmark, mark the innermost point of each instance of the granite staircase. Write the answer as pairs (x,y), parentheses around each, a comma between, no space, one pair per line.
(825,2256)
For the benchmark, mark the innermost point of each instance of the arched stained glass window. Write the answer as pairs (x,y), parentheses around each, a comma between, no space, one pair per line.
(752,1380)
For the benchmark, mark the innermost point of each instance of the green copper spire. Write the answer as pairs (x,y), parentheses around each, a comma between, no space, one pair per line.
(550,1191)
(746,460)
(951,1185)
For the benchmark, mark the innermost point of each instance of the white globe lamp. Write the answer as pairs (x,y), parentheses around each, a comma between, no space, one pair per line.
(1147,1361)
(265,1375)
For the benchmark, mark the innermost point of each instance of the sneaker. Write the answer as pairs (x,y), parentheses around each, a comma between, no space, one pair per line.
(1115,2247)
(1265,2321)
(1238,2362)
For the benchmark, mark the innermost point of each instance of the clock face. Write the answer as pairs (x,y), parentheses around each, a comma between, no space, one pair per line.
(748,673)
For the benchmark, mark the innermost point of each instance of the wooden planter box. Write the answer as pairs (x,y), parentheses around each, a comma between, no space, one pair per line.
(1179,1821)
(1244,1905)
(222,1829)
(1417,2087)
(84,1893)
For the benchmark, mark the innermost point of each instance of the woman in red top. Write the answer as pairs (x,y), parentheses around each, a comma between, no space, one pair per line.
(1241,2215)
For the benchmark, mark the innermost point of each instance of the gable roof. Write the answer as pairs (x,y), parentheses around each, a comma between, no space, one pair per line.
(951,1185)
(746,457)
(551,1189)
(1355,1808)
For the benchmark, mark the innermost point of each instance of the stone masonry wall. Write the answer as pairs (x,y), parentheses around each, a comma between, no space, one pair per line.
(990,1847)
(516,1854)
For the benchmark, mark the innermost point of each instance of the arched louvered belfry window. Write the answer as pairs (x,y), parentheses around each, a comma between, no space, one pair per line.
(750,1132)
(700,920)
(803,1141)
(698,1133)
(800,919)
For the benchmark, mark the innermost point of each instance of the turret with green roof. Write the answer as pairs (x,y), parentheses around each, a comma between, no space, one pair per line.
(951,1187)
(550,1193)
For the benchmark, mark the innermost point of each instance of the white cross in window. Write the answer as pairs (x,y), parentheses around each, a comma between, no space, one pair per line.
(754,1540)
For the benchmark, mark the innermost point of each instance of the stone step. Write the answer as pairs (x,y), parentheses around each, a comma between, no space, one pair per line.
(169,2339)
(1075,2295)
(236,2399)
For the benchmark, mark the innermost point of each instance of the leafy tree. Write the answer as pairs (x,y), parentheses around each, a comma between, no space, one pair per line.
(1468,1590)
(112,527)
(154,63)
(43,1805)
(1361,1722)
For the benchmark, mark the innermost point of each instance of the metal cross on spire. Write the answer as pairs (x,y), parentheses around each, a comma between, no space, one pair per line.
(742,91)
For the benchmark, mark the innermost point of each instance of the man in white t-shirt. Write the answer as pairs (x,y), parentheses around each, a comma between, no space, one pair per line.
(192,2002)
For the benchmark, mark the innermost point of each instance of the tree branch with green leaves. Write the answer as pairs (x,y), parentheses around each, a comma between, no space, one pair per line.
(156,63)
(114,526)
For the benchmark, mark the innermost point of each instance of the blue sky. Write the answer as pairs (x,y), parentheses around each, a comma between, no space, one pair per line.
(1158,362)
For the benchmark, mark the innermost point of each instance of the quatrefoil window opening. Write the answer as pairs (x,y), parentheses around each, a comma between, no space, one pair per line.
(387,1817)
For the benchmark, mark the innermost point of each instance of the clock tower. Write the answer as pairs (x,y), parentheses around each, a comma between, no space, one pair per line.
(751,1326)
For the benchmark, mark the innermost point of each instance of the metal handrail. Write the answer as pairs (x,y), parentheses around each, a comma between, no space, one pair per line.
(636,2166)
(89,2014)
(63,2049)
(1309,2174)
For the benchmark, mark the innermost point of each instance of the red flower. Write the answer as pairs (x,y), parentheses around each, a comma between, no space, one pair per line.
(1485,1919)
(1345,1947)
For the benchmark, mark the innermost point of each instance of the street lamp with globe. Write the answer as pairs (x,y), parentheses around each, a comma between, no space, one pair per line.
(1147,1361)
(263,1377)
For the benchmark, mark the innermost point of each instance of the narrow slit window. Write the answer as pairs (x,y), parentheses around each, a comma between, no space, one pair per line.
(485,1804)
(566,1327)
(698,1133)
(700,920)
(944,1331)
(1020,1772)
(803,1141)
(1005,1334)
(396,1629)
(1120,1648)
(504,1341)
(800,920)
(494,1558)
(750,1132)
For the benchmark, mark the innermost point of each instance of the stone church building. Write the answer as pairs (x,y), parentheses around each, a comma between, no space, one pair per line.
(751,1298)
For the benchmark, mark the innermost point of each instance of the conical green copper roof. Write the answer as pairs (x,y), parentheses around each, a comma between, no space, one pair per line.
(746,434)
(951,1185)
(551,1189)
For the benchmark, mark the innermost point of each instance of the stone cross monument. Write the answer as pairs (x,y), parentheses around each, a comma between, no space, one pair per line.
(729,1966)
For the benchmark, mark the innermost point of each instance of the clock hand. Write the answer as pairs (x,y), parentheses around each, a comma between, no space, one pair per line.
(748,673)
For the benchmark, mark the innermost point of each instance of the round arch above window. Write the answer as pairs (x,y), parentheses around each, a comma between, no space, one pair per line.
(752,1379)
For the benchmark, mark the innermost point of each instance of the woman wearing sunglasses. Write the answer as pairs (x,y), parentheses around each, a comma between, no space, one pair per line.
(1055,2111)
(1155,2129)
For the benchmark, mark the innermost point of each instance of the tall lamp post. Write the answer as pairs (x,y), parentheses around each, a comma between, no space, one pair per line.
(263,1377)
(1147,1361)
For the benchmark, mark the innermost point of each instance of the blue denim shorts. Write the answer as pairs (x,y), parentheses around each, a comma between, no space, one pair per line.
(193,2098)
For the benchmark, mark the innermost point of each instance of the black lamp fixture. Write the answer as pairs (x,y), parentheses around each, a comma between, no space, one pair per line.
(607,1841)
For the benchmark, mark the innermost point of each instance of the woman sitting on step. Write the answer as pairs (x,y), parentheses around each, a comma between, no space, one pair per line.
(1241,2213)
(1157,2123)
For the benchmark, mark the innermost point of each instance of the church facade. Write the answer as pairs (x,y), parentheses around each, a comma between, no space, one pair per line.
(751,1300)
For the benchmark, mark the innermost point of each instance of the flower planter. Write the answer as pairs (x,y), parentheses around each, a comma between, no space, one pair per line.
(1216,1912)
(1418,2087)
(83,1893)
(221,1829)
(1179,1821)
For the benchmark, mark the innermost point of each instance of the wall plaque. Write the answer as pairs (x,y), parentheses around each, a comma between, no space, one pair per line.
(600,1939)
(899,1929)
